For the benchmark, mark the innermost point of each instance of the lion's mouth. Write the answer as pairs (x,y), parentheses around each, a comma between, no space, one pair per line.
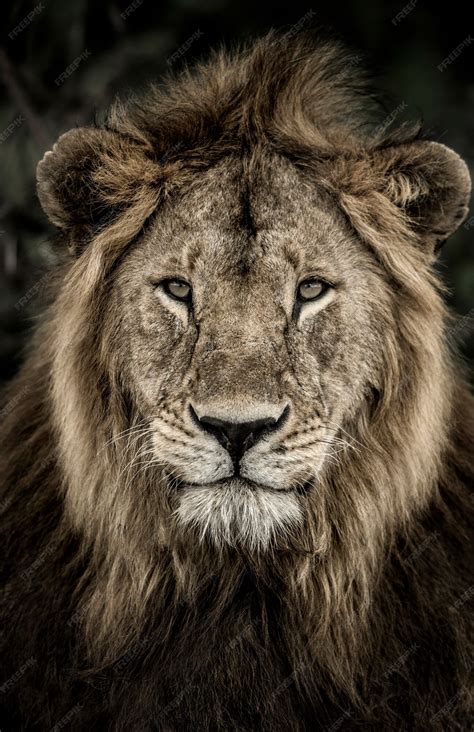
(241,484)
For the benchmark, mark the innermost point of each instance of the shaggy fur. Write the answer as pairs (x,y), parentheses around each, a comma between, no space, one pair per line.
(337,594)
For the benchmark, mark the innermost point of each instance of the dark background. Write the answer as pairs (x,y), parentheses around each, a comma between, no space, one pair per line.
(122,46)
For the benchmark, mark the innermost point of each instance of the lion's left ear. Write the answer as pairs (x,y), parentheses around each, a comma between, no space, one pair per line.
(431,183)
(66,184)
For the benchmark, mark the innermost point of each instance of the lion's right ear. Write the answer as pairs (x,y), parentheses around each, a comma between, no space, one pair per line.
(65,178)
(89,176)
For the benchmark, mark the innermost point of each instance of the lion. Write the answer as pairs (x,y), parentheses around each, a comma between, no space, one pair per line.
(235,464)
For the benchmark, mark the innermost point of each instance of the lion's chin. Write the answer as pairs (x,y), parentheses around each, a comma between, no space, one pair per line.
(238,512)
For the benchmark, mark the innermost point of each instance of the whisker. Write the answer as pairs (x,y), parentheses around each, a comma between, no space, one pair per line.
(131,431)
(351,437)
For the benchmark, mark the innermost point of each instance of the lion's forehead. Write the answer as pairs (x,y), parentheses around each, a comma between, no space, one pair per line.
(227,223)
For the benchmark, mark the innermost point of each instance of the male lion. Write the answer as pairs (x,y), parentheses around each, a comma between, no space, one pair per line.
(235,465)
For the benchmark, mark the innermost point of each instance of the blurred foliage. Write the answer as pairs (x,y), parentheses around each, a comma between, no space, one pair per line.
(121,46)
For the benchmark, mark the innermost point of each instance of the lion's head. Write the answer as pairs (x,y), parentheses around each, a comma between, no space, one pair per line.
(247,321)
(249,314)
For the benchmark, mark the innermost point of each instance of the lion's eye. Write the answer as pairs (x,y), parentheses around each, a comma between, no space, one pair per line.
(178,289)
(311,289)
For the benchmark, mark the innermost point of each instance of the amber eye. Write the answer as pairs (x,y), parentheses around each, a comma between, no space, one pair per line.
(178,289)
(311,289)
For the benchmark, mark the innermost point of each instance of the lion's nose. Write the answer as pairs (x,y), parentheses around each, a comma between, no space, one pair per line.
(238,437)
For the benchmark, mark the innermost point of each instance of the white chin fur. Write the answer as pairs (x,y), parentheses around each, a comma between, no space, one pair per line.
(239,515)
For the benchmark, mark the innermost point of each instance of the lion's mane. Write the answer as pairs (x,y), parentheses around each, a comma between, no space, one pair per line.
(113,618)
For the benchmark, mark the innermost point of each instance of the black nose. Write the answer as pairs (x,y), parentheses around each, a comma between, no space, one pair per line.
(237,437)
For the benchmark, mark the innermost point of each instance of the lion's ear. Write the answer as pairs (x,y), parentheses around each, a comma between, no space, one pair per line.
(431,183)
(65,178)
(89,177)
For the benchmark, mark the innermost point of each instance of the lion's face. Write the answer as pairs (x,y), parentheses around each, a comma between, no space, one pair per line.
(248,324)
